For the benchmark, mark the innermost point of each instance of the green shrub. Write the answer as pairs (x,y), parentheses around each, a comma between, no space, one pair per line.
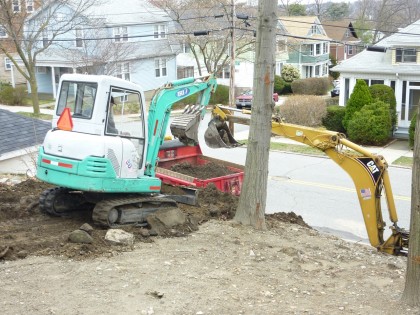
(311,86)
(221,96)
(12,96)
(303,110)
(334,118)
(359,98)
(281,87)
(370,125)
(289,73)
(334,74)
(386,94)
(412,130)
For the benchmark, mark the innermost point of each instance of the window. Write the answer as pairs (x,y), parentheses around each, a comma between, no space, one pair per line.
(349,50)
(281,46)
(318,49)
(186,48)
(79,97)
(121,34)
(325,48)
(347,34)
(3,33)
(123,71)
(315,29)
(160,31)
(160,67)
(317,69)
(79,37)
(29,5)
(406,55)
(41,70)
(7,64)
(185,72)
(16,6)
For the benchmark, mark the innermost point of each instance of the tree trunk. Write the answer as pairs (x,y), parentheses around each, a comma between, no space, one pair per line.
(411,293)
(34,95)
(251,207)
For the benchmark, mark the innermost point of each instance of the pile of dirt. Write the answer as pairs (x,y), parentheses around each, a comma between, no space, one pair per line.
(27,231)
(204,171)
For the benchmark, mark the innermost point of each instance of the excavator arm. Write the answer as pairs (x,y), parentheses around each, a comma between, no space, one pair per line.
(185,126)
(368,171)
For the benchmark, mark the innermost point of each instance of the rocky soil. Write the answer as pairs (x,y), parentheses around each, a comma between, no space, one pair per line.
(219,268)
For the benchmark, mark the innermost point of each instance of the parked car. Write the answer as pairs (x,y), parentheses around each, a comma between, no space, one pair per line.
(335,91)
(245,99)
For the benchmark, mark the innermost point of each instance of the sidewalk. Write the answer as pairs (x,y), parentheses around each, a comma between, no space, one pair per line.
(27,109)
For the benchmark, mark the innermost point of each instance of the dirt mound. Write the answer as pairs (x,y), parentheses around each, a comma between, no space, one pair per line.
(26,231)
(205,171)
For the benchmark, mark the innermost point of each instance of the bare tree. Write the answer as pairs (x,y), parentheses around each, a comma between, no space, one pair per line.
(411,293)
(382,17)
(252,202)
(31,35)
(211,52)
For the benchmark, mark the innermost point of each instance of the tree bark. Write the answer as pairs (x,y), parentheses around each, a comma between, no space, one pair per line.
(34,94)
(252,203)
(411,293)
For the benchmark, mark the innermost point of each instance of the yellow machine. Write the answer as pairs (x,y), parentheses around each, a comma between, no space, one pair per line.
(368,171)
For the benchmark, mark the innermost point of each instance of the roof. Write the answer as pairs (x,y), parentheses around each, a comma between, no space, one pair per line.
(336,30)
(301,25)
(19,132)
(408,36)
(379,62)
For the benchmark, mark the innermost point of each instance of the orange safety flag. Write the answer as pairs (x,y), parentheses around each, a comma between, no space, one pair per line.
(65,122)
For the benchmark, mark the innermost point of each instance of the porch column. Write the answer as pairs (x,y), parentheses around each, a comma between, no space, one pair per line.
(53,82)
(12,74)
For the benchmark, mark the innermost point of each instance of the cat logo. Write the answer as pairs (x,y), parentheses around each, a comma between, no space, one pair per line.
(372,167)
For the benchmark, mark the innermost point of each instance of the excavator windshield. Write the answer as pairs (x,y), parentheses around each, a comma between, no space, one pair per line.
(79,97)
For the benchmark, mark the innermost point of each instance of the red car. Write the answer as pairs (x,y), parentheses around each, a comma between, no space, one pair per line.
(245,99)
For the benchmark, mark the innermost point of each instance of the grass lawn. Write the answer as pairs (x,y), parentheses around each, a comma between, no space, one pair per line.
(404,161)
(32,115)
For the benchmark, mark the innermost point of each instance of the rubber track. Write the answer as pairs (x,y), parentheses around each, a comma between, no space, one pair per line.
(102,208)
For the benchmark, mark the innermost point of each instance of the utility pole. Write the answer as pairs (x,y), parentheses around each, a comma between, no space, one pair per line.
(232,63)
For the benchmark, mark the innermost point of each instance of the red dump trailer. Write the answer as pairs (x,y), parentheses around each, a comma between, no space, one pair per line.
(174,152)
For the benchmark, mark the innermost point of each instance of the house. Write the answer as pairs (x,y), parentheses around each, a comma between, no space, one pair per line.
(127,39)
(345,42)
(307,45)
(397,67)
(19,9)
(20,137)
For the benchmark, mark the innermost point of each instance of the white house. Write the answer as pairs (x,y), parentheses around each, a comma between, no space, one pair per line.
(126,39)
(397,67)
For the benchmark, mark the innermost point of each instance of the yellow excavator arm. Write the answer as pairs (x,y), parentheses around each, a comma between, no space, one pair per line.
(368,171)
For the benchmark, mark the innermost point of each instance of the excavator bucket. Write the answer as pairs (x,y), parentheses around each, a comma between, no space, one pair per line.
(185,126)
(218,135)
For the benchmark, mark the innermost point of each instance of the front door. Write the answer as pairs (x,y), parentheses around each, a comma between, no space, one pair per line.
(409,106)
